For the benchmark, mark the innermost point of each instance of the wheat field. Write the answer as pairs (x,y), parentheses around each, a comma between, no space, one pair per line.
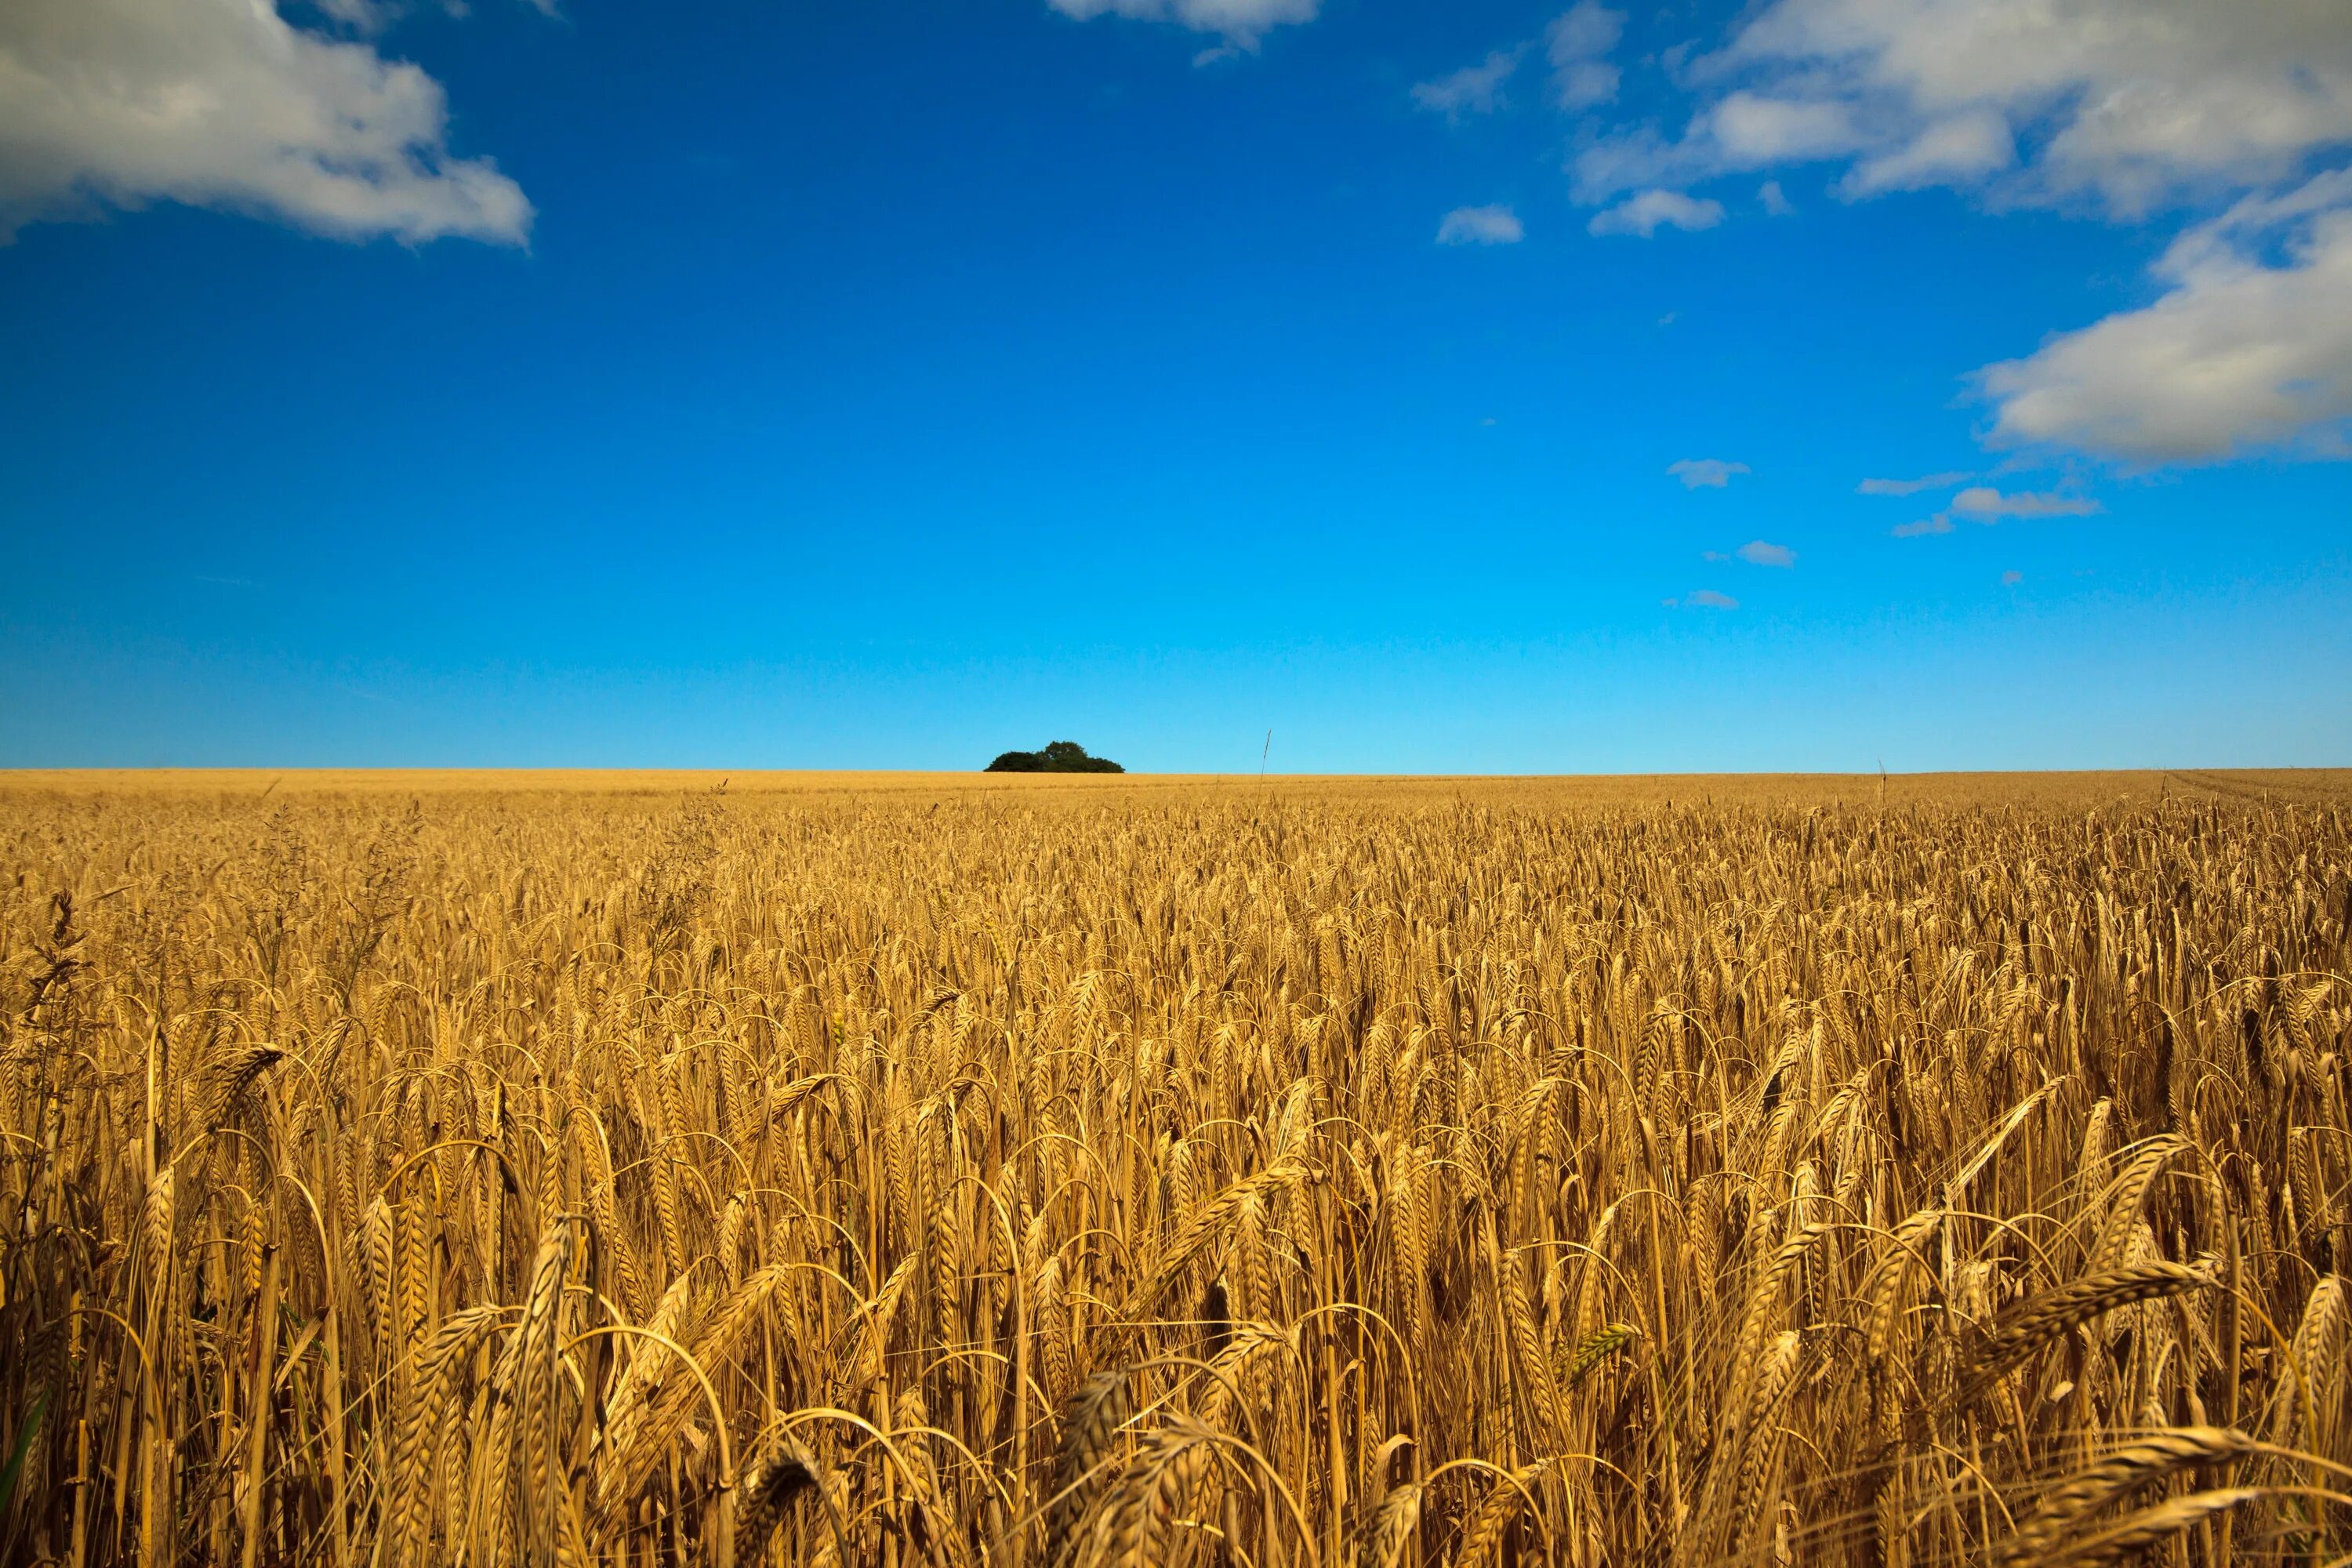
(650,1169)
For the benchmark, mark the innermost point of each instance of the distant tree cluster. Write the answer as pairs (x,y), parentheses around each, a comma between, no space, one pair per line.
(1061,757)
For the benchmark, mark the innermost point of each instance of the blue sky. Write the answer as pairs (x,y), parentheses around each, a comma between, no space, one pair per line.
(1479,388)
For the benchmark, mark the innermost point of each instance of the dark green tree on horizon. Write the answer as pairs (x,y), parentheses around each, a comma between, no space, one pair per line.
(1061,757)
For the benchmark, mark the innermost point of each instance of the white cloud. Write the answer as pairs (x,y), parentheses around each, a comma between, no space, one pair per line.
(1743,130)
(222,103)
(1756,552)
(1708,599)
(1751,130)
(1609,164)
(2128,109)
(2236,355)
(1705,473)
(2122,103)
(1982,503)
(1957,149)
(2127,100)
(1473,89)
(1986,504)
(1239,22)
(2012,579)
(1645,214)
(1583,32)
(1910,486)
(1481,225)
(376,16)
(1577,44)
(1580,84)
(360,15)
(1776,200)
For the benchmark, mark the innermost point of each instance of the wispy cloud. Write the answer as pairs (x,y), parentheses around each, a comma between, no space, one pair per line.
(1910,486)
(1703,599)
(1982,503)
(1240,23)
(1473,89)
(1705,473)
(1776,200)
(1651,211)
(1756,552)
(1481,225)
(2012,579)
(1578,44)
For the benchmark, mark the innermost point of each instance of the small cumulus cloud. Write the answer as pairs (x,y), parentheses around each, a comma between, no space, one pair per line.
(1983,503)
(1705,473)
(1756,552)
(1651,211)
(1473,89)
(1481,225)
(1708,599)
(1909,486)
(2012,579)
(1750,129)
(1776,200)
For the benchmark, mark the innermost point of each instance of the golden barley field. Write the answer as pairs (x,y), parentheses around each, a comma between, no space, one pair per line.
(909,1170)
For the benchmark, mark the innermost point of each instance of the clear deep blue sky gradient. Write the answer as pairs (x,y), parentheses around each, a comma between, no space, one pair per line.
(887,385)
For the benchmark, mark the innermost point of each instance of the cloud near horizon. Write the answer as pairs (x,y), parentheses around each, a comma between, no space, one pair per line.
(223,103)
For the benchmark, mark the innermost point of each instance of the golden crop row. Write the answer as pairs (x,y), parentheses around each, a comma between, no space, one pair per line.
(1200,1172)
